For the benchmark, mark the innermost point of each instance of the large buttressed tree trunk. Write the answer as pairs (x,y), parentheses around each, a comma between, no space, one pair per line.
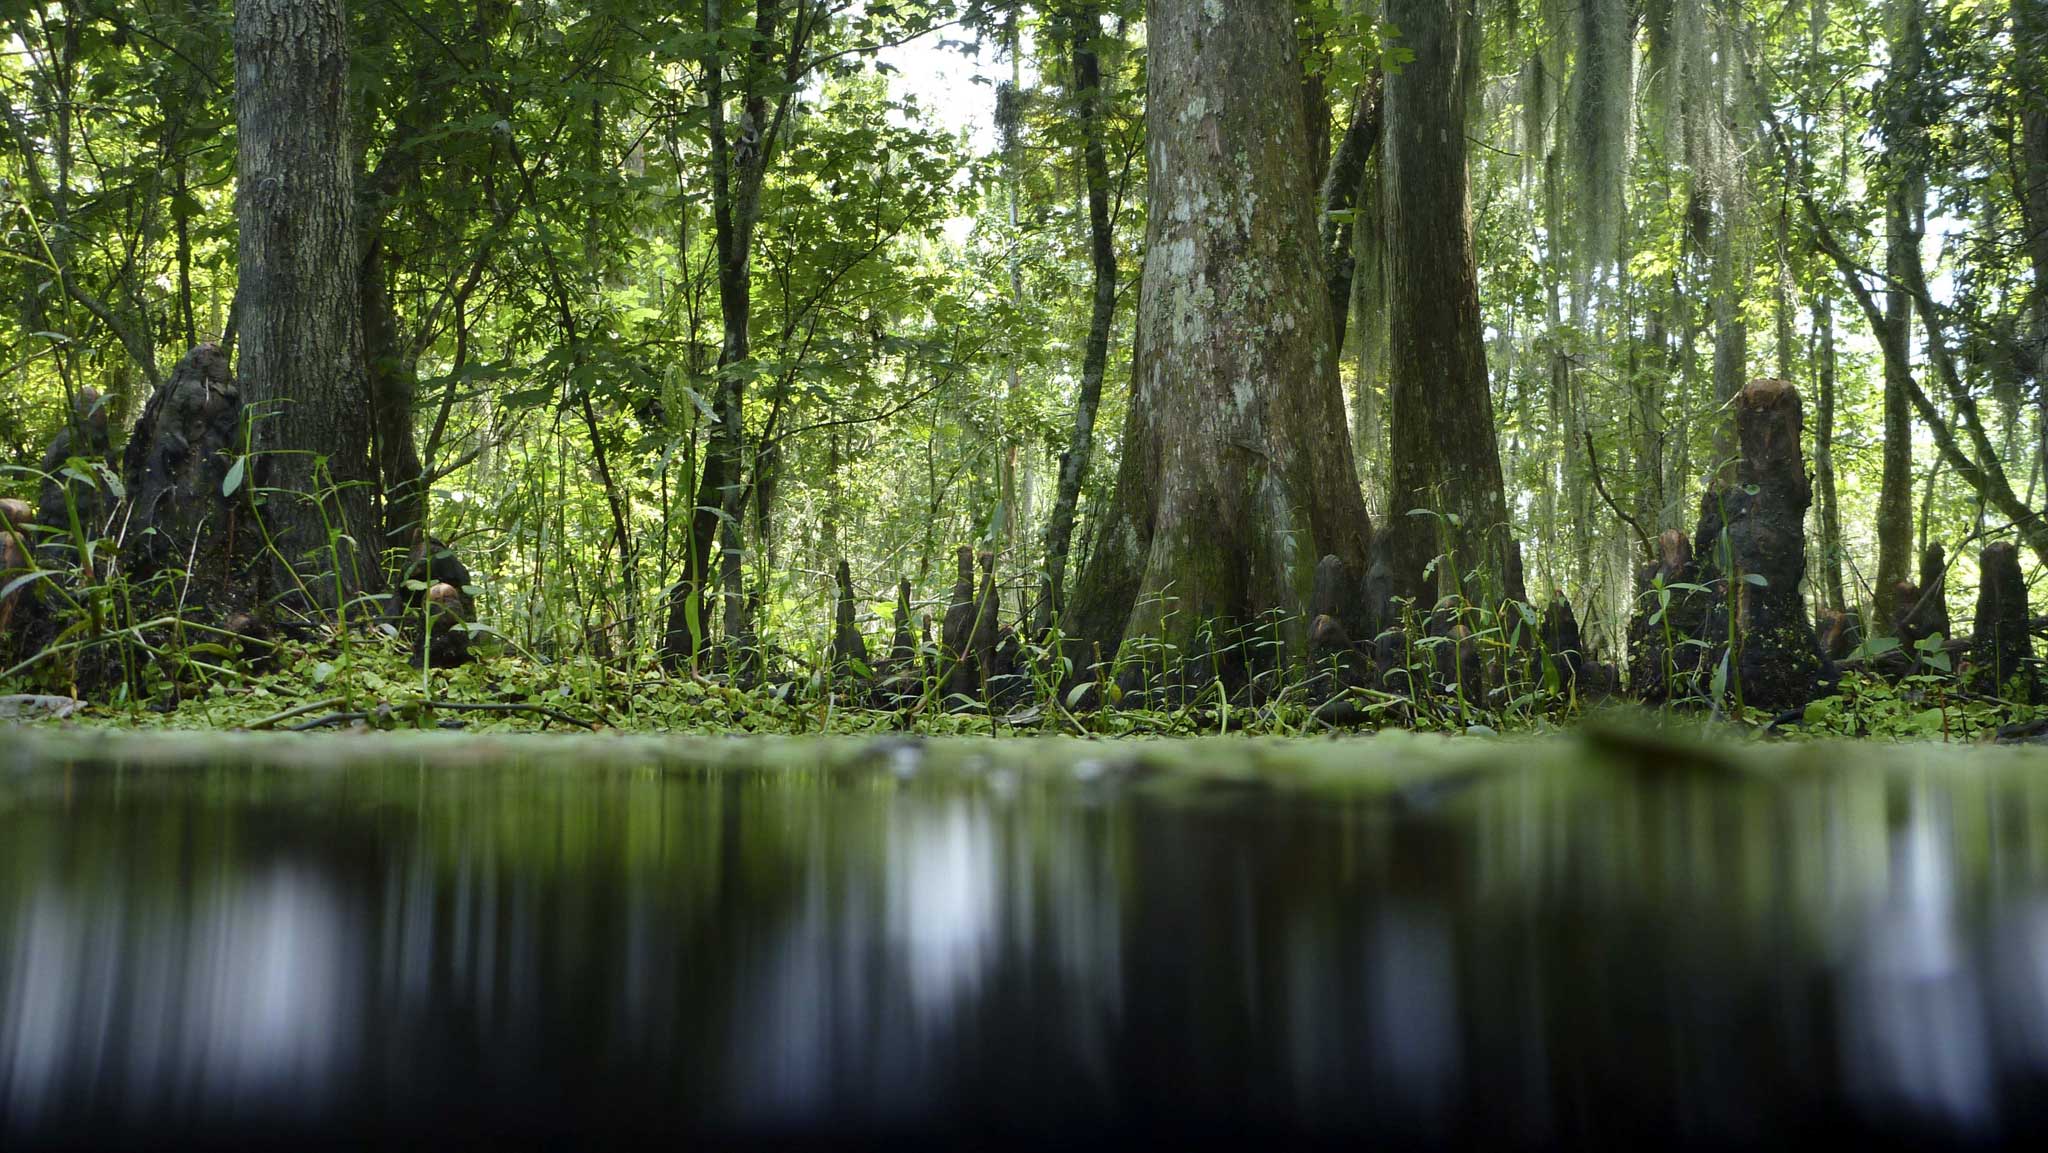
(301,370)
(1236,474)
(1445,457)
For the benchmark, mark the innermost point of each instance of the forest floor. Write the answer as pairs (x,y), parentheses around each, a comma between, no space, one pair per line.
(373,686)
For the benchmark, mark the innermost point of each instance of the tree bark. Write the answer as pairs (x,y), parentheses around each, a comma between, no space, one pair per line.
(1731,330)
(301,370)
(392,376)
(2002,647)
(1824,454)
(1752,542)
(1085,29)
(2030,54)
(1342,187)
(849,647)
(1904,203)
(1446,458)
(740,155)
(1369,334)
(1237,474)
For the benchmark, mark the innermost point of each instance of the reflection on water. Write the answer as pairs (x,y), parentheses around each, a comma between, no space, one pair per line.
(1553,955)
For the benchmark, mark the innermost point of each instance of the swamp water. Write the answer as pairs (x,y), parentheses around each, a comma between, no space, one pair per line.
(1512,944)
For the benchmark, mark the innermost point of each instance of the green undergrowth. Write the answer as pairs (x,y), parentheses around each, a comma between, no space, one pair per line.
(372,684)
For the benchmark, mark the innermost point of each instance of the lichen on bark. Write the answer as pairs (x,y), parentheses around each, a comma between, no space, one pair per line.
(1237,473)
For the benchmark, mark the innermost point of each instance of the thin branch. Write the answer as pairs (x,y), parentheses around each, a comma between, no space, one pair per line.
(1600,486)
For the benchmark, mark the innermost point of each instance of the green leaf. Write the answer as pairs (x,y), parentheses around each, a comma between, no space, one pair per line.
(24,580)
(233,480)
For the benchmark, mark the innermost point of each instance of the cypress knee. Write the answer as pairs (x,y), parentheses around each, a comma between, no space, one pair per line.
(956,634)
(1662,611)
(2002,653)
(88,437)
(1934,617)
(983,642)
(1921,610)
(1839,634)
(849,648)
(1563,643)
(1762,518)
(183,521)
(903,653)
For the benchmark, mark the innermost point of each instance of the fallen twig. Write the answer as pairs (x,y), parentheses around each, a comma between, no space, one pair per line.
(296,711)
(330,719)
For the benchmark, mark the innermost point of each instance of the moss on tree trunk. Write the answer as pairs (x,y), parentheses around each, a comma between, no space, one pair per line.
(1237,473)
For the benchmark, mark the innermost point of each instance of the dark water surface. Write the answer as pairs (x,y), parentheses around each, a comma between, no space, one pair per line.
(1514,945)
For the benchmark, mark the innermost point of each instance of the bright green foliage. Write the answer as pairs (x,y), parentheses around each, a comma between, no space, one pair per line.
(538,180)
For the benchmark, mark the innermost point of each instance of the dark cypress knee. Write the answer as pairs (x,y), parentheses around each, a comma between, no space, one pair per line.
(956,635)
(1758,570)
(849,648)
(2002,652)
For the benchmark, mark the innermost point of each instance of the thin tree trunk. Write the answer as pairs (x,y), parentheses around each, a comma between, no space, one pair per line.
(1731,330)
(1824,453)
(393,382)
(1903,207)
(1088,94)
(1011,124)
(740,156)
(1341,189)
(1369,334)
(301,368)
(1782,303)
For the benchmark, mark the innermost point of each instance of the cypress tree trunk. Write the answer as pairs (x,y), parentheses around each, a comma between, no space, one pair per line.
(2030,54)
(301,366)
(1903,207)
(1445,456)
(1059,531)
(1237,474)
